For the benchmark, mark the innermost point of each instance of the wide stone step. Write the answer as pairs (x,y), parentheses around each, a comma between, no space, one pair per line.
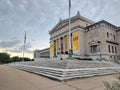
(63,74)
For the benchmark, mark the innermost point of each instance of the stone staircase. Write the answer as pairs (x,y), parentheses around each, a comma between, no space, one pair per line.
(68,69)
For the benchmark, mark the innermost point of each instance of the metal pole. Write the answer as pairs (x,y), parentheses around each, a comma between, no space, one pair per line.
(70,48)
(24,45)
(23,51)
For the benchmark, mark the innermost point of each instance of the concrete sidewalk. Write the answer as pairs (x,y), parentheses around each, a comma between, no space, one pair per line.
(14,79)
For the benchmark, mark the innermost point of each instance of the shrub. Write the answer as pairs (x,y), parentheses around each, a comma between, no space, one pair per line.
(115,85)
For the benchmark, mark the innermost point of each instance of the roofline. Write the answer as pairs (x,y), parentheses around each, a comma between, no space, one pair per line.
(102,21)
(42,49)
(118,29)
(72,19)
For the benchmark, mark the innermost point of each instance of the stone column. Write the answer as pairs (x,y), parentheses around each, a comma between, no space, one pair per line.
(54,47)
(64,44)
(61,45)
(71,42)
(58,45)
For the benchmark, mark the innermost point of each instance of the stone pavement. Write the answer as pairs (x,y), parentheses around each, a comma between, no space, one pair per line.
(14,79)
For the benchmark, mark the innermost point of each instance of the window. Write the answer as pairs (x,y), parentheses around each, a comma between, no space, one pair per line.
(109,49)
(115,49)
(114,37)
(54,47)
(93,48)
(107,34)
(61,41)
(112,49)
(35,55)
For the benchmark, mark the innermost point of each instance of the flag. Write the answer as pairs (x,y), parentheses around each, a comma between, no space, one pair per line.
(69,4)
(25,38)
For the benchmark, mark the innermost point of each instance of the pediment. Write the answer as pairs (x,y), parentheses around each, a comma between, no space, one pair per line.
(64,22)
(61,24)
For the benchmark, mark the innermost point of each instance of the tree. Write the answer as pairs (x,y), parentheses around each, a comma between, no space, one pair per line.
(4,57)
(18,59)
(15,59)
(26,59)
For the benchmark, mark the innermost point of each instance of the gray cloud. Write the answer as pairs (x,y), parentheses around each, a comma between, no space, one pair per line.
(9,44)
(19,49)
(37,17)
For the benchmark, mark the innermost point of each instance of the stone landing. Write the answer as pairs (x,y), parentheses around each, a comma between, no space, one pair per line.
(68,69)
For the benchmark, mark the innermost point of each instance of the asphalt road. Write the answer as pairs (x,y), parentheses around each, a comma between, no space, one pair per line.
(14,79)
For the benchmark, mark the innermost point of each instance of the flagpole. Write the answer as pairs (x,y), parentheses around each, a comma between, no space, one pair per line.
(23,51)
(70,48)
(24,45)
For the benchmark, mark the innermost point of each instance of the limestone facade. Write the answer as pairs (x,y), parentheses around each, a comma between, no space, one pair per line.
(96,40)
(44,53)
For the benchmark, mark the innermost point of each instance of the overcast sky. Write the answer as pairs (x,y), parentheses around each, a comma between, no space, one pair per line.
(38,17)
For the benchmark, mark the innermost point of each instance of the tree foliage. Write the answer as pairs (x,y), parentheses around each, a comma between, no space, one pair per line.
(25,59)
(15,59)
(5,58)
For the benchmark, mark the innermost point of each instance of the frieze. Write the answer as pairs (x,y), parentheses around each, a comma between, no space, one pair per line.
(72,29)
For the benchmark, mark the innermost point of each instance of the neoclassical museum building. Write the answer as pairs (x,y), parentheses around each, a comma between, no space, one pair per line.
(96,40)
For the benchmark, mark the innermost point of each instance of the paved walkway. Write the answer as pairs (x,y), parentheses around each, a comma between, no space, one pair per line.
(14,79)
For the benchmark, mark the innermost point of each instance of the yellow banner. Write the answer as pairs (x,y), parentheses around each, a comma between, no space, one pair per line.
(75,41)
(66,43)
(51,47)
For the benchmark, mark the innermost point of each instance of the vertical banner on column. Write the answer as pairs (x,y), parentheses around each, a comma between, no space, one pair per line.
(66,43)
(75,40)
(51,47)
(58,45)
